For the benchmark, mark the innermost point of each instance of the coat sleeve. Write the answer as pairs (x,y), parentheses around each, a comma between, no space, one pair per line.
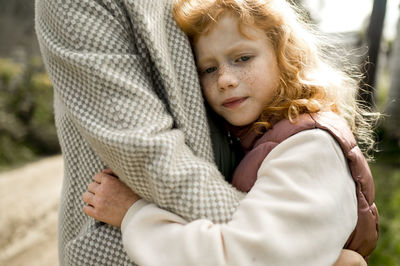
(300,211)
(94,54)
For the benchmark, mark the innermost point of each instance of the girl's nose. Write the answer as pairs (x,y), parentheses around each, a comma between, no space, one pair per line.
(227,79)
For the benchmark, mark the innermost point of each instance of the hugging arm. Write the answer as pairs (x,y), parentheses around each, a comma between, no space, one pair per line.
(101,57)
(299,212)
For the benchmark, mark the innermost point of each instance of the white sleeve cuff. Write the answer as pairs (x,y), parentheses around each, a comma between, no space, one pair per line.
(137,206)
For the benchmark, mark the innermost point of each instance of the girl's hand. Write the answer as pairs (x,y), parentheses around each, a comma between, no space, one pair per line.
(108,199)
(350,258)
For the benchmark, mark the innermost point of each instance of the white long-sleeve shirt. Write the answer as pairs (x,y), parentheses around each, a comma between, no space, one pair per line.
(300,211)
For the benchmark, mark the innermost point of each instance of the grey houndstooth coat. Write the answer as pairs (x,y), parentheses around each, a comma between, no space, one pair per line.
(126,96)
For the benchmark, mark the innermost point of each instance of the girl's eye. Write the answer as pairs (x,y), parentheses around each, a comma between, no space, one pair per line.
(210,70)
(243,58)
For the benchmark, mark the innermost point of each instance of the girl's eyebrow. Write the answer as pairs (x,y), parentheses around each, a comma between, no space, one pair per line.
(229,50)
(239,46)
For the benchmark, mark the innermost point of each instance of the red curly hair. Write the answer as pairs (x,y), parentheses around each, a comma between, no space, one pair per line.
(308,83)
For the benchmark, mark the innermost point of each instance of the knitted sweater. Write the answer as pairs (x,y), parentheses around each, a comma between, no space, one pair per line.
(126,96)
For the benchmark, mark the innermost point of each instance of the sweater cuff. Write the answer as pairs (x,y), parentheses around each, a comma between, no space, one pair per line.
(137,206)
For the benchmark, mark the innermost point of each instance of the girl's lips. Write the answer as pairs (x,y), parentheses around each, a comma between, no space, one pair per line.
(233,102)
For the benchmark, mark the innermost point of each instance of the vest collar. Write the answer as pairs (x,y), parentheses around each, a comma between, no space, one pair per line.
(247,136)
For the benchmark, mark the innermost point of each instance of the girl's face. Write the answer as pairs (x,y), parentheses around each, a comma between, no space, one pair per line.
(238,74)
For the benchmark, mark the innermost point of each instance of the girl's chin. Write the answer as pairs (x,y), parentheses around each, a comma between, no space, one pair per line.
(240,118)
(241,123)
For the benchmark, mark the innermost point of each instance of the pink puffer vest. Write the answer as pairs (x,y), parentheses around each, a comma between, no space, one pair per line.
(365,236)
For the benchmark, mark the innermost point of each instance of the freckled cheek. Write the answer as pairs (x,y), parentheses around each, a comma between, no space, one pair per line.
(207,82)
(251,77)
(253,73)
(251,80)
(206,86)
(208,94)
(260,77)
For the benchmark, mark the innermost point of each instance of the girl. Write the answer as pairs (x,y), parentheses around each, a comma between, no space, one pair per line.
(295,116)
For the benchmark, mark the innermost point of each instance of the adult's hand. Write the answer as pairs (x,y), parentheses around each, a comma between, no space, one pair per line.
(108,199)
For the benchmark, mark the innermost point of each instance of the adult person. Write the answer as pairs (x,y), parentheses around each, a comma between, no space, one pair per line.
(126,96)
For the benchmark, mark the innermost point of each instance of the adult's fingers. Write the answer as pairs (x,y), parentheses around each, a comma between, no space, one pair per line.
(89,210)
(98,177)
(92,187)
(109,171)
(87,197)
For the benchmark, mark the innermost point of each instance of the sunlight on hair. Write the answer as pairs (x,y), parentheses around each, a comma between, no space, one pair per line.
(311,78)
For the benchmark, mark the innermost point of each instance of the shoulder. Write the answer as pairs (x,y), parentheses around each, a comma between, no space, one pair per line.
(312,161)
(314,135)
(310,142)
(311,155)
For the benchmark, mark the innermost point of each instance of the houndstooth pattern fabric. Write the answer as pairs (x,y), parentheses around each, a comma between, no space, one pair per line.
(126,96)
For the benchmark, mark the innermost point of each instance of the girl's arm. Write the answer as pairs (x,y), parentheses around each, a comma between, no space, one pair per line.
(300,211)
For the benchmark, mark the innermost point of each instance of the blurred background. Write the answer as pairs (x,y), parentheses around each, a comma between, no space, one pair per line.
(31,167)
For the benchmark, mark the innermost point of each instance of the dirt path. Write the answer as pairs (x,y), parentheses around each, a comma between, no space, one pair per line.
(28,213)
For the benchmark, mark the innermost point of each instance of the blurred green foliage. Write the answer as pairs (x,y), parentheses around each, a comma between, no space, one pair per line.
(27,128)
(386,172)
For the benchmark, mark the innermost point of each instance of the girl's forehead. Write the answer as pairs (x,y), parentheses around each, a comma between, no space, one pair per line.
(226,38)
(230,23)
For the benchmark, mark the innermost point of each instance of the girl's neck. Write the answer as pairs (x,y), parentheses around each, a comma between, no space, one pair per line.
(249,134)
(246,135)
